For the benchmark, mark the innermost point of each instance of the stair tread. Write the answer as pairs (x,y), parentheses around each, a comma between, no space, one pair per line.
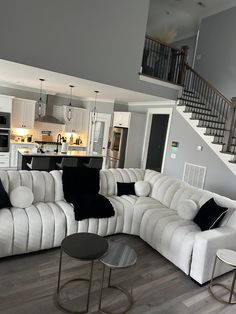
(211,128)
(190,95)
(192,101)
(213,135)
(196,107)
(202,114)
(232,144)
(228,153)
(212,121)
(217,143)
(188,91)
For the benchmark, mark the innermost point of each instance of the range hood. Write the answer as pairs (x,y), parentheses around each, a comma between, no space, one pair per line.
(48,117)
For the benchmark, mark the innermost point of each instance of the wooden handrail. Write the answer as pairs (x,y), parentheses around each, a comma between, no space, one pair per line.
(162,43)
(209,85)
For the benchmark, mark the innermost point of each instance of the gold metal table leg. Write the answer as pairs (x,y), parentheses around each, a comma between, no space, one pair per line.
(60,287)
(231,290)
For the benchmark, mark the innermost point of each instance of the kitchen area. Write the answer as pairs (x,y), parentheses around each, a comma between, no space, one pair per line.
(48,136)
(23,131)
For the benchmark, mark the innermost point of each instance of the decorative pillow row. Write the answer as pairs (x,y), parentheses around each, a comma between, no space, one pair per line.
(21,197)
(209,216)
(139,188)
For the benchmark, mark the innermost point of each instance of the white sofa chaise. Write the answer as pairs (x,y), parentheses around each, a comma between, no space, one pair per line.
(154,218)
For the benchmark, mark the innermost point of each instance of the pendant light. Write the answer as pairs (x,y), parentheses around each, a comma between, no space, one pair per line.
(94,111)
(69,113)
(40,102)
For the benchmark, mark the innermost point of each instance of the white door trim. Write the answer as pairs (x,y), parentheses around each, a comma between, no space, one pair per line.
(103,117)
(150,113)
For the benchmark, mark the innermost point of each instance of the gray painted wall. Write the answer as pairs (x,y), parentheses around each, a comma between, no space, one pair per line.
(215,58)
(95,40)
(190,42)
(219,178)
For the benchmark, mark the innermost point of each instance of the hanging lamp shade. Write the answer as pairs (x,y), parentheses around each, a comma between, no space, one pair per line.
(40,102)
(69,113)
(94,111)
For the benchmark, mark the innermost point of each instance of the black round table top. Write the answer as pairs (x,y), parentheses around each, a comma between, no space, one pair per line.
(85,246)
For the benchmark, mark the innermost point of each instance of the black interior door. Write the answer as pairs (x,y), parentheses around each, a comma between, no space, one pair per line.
(157,141)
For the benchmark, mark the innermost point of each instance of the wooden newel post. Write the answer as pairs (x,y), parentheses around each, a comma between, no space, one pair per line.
(183,61)
(230,126)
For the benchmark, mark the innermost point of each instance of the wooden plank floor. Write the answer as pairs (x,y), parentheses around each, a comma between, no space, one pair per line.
(28,283)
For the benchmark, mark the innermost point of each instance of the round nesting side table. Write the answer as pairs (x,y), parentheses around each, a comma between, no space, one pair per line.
(228,257)
(118,256)
(84,247)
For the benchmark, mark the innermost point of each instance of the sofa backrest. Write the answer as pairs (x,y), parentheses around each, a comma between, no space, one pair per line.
(109,178)
(41,183)
(163,188)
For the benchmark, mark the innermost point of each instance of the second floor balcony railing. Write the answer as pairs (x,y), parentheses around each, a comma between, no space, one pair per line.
(163,61)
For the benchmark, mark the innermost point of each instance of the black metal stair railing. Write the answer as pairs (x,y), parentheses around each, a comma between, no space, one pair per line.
(212,109)
(163,61)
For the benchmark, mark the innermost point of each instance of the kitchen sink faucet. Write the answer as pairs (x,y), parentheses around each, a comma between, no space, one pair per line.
(58,141)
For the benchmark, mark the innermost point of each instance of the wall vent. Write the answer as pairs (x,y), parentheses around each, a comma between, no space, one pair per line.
(194,175)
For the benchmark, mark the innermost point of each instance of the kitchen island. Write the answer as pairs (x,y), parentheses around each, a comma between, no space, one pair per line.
(83,158)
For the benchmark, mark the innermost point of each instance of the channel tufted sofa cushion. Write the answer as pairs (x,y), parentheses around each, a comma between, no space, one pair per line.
(154,218)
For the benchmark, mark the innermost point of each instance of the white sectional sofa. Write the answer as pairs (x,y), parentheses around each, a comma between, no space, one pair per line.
(154,218)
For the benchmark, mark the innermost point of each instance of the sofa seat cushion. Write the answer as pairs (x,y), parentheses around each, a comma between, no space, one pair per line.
(37,227)
(124,208)
(170,235)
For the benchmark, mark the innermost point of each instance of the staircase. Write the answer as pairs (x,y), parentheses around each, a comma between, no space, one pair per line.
(210,114)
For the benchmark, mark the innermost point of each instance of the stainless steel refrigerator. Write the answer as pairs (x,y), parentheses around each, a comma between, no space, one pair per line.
(116,147)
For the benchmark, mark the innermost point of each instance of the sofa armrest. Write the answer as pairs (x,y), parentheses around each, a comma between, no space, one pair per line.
(204,250)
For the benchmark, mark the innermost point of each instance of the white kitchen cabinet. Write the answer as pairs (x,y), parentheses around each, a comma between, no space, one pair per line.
(121,119)
(23,113)
(79,118)
(14,152)
(4,160)
(5,103)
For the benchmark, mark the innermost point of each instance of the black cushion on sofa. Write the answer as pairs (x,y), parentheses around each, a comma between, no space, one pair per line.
(4,197)
(79,181)
(125,188)
(93,206)
(81,187)
(210,215)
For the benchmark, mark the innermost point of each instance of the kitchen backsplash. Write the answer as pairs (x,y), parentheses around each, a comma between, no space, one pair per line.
(53,128)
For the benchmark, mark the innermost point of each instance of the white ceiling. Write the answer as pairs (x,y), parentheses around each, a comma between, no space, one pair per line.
(25,77)
(181,17)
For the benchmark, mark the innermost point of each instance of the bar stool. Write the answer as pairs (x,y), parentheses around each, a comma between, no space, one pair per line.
(39,163)
(228,257)
(68,162)
(94,162)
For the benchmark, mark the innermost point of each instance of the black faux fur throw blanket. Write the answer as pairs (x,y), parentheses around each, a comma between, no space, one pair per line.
(81,187)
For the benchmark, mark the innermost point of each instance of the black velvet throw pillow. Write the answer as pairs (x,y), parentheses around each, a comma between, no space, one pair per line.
(210,215)
(125,188)
(79,181)
(93,206)
(4,198)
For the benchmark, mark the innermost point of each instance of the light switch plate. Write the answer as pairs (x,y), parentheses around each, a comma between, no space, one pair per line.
(173,156)
(199,148)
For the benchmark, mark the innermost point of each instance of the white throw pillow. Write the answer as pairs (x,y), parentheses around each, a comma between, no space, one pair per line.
(21,197)
(187,209)
(142,188)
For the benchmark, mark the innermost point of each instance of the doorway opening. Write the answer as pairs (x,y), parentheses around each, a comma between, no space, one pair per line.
(156,138)
(157,141)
